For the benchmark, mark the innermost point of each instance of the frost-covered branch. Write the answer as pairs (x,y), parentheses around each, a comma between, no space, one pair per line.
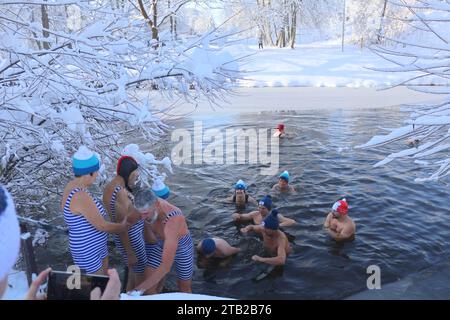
(427,132)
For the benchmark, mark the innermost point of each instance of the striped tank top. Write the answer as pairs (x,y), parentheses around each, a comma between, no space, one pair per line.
(88,246)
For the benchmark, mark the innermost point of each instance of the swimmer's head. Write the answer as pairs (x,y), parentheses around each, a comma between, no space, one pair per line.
(208,246)
(240,185)
(145,201)
(285,177)
(271,223)
(280,127)
(265,205)
(127,168)
(340,208)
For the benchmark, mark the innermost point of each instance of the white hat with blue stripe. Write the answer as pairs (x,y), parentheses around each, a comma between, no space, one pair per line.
(84,162)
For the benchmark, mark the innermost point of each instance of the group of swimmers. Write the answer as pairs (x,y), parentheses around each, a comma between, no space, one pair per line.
(267,222)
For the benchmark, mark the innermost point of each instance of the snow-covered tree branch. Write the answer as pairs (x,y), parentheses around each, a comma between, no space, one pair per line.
(87,74)
(427,54)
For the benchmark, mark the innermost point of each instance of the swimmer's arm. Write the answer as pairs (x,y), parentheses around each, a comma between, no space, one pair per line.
(253,200)
(279,260)
(327,221)
(169,251)
(229,199)
(244,217)
(345,234)
(275,187)
(252,228)
(286,222)
(226,249)
(293,189)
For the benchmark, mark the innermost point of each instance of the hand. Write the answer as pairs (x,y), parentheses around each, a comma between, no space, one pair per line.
(236,216)
(124,225)
(244,230)
(132,260)
(112,290)
(32,293)
(256,258)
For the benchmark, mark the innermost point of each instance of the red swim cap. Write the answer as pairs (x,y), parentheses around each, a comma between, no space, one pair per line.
(280,127)
(341,207)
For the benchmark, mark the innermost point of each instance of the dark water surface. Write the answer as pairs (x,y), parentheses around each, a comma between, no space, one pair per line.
(403,227)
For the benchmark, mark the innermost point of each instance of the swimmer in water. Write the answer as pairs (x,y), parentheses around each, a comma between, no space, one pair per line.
(279,131)
(240,197)
(283,184)
(339,224)
(275,241)
(215,247)
(257,217)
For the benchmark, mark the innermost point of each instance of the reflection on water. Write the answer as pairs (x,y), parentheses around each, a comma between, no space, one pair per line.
(401,226)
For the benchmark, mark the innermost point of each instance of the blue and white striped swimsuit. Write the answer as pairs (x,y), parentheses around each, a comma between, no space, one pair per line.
(136,236)
(88,245)
(184,256)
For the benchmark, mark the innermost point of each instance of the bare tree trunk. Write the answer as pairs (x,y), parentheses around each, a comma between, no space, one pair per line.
(155,19)
(34,33)
(380,29)
(151,23)
(294,25)
(45,25)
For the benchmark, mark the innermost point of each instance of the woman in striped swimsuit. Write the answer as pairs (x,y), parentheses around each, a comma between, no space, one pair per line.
(174,241)
(86,217)
(130,244)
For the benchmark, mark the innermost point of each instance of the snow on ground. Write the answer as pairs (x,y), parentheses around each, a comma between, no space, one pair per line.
(317,64)
(17,286)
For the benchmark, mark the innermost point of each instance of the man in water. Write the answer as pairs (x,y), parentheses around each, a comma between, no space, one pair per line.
(240,196)
(216,247)
(283,184)
(257,217)
(279,132)
(275,241)
(339,224)
(174,242)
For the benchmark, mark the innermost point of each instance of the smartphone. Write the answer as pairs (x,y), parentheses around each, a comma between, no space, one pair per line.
(70,286)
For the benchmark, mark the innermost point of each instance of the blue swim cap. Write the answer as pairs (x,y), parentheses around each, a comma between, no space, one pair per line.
(285,176)
(271,222)
(266,202)
(208,246)
(160,189)
(240,185)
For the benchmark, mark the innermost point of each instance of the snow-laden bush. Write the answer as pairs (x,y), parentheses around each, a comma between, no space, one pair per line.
(85,72)
(426,134)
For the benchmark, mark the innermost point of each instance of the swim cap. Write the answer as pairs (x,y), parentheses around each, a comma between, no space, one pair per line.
(285,176)
(9,233)
(280,127)
(271,222)
(125,166)
(341,207)
(208,246)
(266,202)
(160,189)
(84,162)
(240,185)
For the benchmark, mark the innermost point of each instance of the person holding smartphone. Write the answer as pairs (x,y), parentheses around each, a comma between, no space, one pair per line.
(85,216)
(9,252)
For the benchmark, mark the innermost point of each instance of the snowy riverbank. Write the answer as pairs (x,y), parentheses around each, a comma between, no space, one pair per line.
(317,64)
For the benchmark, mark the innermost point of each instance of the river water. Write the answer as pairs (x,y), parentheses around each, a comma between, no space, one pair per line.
(402,227)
